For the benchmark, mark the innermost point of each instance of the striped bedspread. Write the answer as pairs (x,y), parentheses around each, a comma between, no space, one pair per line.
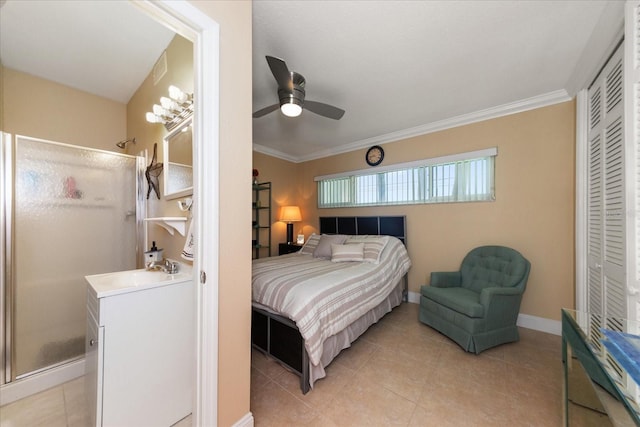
(324,297)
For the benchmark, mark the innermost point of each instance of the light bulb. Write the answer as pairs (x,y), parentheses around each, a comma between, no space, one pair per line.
(169,104)
(177,94)
(291,110)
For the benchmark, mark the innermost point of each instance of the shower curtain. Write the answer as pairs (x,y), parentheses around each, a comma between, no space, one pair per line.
(74,214)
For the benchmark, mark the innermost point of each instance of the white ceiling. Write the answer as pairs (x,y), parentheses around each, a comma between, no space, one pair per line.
(398,65)
(398,68)
(106,48)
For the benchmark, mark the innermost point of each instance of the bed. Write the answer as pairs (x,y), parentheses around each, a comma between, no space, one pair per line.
(307,309)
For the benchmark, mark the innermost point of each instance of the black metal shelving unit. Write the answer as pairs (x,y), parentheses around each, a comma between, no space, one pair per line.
(261,207)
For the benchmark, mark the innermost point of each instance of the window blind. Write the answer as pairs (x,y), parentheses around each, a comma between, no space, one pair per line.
(462,177)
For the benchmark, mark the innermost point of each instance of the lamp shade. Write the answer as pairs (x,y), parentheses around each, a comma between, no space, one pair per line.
(290,214)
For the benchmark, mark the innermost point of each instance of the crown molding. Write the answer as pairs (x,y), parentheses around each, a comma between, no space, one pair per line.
(275,153)
(532,103)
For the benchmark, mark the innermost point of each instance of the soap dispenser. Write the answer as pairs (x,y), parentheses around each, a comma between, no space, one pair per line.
(153,255)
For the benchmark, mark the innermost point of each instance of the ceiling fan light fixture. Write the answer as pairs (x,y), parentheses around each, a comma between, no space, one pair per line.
(291,109)
(291,93)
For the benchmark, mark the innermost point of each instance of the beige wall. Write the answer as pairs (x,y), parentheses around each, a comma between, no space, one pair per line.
(40,108)
(234,339)
(533,211)
(283,193)
(180,74)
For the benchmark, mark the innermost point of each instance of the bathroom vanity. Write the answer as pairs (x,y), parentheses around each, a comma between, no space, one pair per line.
(140,347)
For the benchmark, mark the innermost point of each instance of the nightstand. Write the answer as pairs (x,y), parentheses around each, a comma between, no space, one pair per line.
(287,248)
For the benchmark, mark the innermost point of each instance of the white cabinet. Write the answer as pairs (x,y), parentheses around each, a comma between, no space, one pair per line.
(140,348)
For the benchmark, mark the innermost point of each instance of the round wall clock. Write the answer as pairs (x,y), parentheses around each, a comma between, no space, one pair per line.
(375,155)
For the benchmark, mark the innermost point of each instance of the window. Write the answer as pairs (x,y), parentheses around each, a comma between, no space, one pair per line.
(462,177)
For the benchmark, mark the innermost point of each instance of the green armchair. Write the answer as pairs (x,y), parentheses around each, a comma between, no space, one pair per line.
(478,306)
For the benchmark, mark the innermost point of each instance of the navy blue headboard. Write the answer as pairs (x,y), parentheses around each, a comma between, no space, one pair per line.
(377,225)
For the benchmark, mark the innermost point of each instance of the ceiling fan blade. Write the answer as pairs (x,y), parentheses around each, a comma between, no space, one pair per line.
(266,110)
(325,110)
(280,72)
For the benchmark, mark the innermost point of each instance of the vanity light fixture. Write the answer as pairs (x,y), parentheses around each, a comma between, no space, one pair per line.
(172,110)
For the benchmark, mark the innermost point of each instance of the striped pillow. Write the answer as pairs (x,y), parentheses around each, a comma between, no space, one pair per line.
(344,253)
(323,250)
(311,244)
(373,246)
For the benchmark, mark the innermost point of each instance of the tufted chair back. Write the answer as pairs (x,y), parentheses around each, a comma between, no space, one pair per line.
(494,266)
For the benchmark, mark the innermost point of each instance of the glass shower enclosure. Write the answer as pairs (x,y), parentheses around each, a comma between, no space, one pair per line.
(69,211)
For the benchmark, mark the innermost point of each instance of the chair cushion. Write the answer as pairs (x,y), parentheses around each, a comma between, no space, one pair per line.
(462,300)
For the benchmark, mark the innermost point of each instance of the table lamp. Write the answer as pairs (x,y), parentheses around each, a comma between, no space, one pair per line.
(290,214)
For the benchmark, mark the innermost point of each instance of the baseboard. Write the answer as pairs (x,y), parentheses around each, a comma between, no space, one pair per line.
(39,382)
(246,421)
(524,320)
(414,297)
(540,324)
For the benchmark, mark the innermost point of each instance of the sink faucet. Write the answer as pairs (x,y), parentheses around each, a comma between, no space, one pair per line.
(171,267)
(168,266)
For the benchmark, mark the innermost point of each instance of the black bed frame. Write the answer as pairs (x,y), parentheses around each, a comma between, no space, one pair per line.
(278,336)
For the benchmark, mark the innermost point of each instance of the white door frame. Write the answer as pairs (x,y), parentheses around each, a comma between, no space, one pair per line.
(581,200)
(193,24)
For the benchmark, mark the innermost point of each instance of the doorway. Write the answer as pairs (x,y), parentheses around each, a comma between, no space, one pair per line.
(193,24)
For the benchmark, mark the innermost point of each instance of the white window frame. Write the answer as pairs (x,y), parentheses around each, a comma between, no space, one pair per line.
(421,190)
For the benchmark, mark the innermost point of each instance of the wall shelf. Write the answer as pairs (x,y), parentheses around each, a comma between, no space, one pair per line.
(171,223)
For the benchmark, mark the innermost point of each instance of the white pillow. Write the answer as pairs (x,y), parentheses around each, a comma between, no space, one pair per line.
(345,253)
(323,250)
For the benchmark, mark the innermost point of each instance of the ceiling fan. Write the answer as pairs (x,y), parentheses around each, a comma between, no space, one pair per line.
(291,93)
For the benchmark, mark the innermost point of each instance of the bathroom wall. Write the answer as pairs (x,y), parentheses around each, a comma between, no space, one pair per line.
(44,109)
(35,107)
(179,73)
(40,108)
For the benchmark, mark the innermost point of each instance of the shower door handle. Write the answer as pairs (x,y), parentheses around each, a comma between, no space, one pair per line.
(92,342)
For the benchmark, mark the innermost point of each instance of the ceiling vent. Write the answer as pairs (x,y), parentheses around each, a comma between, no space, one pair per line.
(160,68)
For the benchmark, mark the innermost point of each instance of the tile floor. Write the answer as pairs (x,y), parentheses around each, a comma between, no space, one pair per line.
(399,372)
(403,373)
(59,406)
(62,406)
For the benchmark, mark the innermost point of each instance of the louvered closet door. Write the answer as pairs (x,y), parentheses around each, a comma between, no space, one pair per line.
(607,293)
(632,147)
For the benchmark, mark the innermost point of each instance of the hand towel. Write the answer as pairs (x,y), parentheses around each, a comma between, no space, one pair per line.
(187,252)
